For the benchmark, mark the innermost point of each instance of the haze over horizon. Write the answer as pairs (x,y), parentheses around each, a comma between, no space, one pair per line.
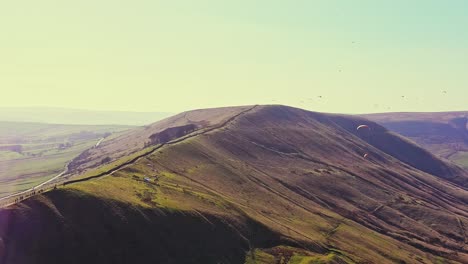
(156,56)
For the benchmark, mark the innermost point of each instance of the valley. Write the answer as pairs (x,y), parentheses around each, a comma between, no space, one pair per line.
(31,153)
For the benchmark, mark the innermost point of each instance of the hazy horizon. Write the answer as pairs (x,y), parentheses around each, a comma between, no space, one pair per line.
(59,108)
(70,116)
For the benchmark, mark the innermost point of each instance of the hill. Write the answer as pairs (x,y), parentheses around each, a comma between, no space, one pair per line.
(263,184)
(445,133)
(111,153)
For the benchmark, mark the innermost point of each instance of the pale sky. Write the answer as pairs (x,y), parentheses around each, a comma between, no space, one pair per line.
(149,55)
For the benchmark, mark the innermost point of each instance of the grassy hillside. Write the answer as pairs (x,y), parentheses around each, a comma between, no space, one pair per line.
(445,134)
(273,185)
(33,152)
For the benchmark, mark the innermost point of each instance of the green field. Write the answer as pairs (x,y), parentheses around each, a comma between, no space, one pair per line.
(461,158)
(31,153)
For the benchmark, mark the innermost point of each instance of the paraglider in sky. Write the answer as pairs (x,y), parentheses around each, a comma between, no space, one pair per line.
(364,132)
(362,127)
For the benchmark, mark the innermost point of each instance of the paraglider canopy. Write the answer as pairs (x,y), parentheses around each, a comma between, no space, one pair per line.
(362,127)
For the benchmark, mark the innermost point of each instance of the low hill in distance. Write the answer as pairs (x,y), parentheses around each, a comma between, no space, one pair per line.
(255,184)
(443,133)
(78,117)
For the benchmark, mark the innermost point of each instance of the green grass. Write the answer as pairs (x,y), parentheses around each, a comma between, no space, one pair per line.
(461,158)
(291,255)
(25,172)
(40,157)
(166,192)
(259,257)
(113,164)
(297,259)
(10,155)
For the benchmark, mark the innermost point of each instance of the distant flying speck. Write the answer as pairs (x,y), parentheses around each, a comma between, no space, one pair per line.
(445,92)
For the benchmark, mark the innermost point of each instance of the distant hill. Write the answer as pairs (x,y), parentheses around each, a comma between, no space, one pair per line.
(254,184)
(78,117)
(443,133)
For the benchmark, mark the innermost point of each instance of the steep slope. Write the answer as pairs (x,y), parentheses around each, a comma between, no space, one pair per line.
(68,227)
(405,150)
(272,183)
(445,134)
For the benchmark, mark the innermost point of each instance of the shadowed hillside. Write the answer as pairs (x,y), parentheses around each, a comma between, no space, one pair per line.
(404,150)
(444,134)
(116,232)
(268,184)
